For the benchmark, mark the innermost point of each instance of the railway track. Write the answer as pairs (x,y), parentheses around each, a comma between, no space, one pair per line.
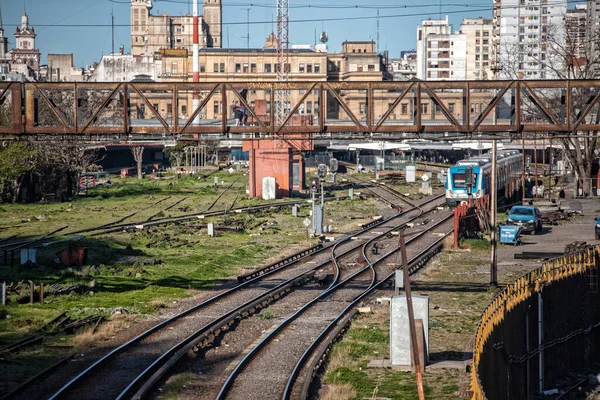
(263,371)
(134,367)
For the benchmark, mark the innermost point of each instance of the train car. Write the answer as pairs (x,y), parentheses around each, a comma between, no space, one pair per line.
(478,170)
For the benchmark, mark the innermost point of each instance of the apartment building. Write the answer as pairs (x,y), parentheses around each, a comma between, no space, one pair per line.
(480,52)
(152,33)
(529,34)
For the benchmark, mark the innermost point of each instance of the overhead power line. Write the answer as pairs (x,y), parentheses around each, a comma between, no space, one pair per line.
(467,9)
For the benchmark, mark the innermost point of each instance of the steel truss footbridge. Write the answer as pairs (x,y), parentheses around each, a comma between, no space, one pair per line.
(353,110)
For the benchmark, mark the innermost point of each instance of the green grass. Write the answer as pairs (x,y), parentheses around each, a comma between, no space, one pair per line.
(175,385)
(184,258)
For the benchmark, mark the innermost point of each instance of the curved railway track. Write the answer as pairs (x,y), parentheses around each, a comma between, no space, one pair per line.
(264,369)
(137,365)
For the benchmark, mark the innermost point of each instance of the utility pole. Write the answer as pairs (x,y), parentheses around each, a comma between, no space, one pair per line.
(195,61)
(411,317)
(493,201)
(112,23)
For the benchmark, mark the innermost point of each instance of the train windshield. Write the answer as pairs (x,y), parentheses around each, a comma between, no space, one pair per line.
(459,180)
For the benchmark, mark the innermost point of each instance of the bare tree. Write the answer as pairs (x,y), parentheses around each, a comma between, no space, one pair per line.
(138,156)
(563,57)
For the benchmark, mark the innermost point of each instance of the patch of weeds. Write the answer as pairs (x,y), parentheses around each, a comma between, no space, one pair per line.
(359,380)
(369,335)
(355,350)
(267,314)
(475,244)
(175,385)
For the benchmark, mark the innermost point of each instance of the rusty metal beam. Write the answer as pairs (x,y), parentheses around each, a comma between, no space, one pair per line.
(390,93)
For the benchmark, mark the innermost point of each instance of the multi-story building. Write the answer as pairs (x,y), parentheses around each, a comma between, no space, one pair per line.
(152,33)
(576,29)
(428,27)
(60,69)
(480,55)
(405,67)
(593,34)
(530,34)
(441,54)
(446,57)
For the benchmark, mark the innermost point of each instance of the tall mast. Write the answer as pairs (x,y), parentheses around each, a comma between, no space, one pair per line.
(283,42)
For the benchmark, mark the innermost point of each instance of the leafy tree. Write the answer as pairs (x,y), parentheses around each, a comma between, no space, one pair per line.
(16,160)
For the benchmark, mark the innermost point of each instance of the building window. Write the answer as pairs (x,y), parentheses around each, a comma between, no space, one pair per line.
(301,67)
(174,68)
(216,67)
(155,105)
(316,108)
(267,68)
(371,67)
(245,68)
(169,108)
(404,108)
(253,68)
(183,109)
(216,107)
(308,107)
(424,108)
(451,107)
(317,68)
(238,67)
(309,69)
(202,67)
(302,91)
(268,107)
(363,107)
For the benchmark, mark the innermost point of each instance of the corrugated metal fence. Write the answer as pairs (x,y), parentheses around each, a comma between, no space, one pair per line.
(538,329)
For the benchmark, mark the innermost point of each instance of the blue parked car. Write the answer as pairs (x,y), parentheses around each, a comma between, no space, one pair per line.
(597,219)
(527,217)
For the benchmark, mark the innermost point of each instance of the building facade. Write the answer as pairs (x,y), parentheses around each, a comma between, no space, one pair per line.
(405,67)
(480,50)
(530,34)
(152,33)
(593,34)
(428,27)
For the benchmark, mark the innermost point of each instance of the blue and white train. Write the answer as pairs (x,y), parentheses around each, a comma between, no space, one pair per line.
(509,168)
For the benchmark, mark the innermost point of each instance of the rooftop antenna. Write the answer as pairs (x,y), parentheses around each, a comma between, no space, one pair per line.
(378,31)
(112,23)
(247,37)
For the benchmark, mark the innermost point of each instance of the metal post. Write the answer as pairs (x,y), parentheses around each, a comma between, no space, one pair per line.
(42,292)
(3,293)
(493,200)
(523,169)
(540,341)
(314,214)
(411,317)
(527,368)
(535,166)
(543,161)
(31,291)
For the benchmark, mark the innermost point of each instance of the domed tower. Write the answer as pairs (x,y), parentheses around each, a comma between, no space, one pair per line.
(25,52)
(212,16)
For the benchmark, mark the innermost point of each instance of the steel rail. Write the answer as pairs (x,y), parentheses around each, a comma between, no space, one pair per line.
(182,348)
(167,322)
(167,359)
(302,361)
(155,371)
(266,340)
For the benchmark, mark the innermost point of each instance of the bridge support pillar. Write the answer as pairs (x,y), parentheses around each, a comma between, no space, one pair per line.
(277,159)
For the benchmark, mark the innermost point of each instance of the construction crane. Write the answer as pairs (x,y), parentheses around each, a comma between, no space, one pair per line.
(283,66)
